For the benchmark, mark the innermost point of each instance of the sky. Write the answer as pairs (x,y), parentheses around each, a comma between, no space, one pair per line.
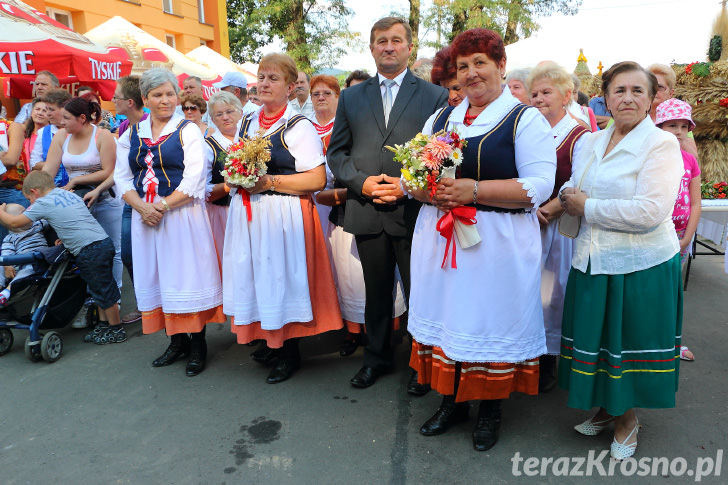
(645,31)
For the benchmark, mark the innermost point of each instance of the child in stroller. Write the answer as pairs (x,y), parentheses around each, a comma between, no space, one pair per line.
(84,238)
(20,240)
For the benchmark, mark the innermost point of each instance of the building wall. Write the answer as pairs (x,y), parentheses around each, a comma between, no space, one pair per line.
(184,23)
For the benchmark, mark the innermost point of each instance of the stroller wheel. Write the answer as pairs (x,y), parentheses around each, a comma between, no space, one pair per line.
(31,352)
(6,340)
(51,347)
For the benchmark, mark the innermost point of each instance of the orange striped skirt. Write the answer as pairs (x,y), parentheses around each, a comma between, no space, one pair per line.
(478,381)
(156,320)
(322,290)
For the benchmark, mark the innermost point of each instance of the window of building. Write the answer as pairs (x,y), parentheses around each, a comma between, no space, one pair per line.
(201,11)
(167,6)
(171,41)
(61,16)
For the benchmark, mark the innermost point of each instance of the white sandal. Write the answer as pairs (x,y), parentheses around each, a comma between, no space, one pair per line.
(622,451)
(593,428)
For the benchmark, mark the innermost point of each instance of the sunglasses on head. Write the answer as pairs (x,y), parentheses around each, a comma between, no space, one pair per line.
(190,108)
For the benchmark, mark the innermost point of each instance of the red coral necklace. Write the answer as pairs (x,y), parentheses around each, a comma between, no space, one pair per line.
(266,122)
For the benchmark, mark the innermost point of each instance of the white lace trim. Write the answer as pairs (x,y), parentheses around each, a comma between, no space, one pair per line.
(532,193)
(200,193)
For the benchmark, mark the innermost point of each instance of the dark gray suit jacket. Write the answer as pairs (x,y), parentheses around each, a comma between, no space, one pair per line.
(356,150)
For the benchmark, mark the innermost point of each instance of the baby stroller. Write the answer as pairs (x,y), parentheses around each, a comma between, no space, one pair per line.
(48,299)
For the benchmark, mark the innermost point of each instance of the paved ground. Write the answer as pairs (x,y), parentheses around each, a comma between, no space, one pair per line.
(104,415)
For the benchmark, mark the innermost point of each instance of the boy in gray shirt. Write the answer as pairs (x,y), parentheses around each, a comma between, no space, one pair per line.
(84,238)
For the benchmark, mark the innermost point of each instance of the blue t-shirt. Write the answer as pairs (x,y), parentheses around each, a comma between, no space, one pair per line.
(68,215)
(597,105)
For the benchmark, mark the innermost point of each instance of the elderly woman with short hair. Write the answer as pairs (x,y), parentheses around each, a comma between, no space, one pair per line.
(161,171)
(478,329)
(623,305)
(277,279)
(226,112)
(550,87)
(516,82)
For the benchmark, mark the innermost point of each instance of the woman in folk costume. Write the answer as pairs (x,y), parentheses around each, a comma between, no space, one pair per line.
(277,279)
(161,171)
(226,112)
(478,327)
(345,262)
(622,326)
(550,88)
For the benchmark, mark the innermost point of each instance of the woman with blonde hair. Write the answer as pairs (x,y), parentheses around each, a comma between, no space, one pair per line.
(277,279)
(550,90)
(226,112)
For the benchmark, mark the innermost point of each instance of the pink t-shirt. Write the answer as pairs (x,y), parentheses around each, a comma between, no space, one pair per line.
(681,213)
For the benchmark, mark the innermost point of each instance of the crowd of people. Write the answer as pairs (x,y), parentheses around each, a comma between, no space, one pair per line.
(576,278)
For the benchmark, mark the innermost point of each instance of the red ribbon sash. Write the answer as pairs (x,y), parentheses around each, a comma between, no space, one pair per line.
(246,202)
(446,227)
(151,192)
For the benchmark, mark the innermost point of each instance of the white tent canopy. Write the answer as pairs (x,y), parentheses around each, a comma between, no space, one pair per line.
(220,64)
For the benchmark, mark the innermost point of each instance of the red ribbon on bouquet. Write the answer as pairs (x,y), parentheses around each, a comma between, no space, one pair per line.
(446,227)
(246,202)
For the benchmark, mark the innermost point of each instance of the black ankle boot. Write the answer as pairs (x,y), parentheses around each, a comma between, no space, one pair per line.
(488,428)
(179,347)
(289,361)
(546,373)
(264,354)
(449,414)
(198,354)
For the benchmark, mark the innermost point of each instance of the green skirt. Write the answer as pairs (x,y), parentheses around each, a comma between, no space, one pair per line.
(620,344)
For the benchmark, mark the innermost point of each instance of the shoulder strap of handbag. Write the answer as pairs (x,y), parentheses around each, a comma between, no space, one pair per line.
(586,169)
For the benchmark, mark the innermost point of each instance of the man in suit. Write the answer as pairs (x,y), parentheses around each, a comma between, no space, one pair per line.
(390,108)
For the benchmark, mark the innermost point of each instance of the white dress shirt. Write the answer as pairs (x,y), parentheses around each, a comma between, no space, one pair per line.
(627,224)
(395,87)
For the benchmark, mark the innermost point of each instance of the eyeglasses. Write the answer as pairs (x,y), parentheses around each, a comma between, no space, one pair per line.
(190,108)
(325,94)
(117,98)
(227,112)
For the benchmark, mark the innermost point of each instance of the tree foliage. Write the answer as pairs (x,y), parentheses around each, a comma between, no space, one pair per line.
(512,19)
(311,31)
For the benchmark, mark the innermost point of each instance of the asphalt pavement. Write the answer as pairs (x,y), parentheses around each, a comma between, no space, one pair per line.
(103,415)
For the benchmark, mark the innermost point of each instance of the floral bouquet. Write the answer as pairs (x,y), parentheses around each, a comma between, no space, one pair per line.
(247,161)
(714,190)
(442,152)
(423,155)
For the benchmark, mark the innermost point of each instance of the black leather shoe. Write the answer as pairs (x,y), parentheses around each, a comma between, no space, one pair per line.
(349,346)
(282,371)
(178,348)
(447,415)
(264,355)
(415,388)
(546,373)
(485,435)
(366,377)
(196,364)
